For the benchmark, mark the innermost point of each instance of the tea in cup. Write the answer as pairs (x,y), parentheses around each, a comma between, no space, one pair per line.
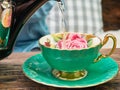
(70,55)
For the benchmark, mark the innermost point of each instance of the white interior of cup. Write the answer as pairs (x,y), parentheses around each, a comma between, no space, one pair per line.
(44,39)
(96,40)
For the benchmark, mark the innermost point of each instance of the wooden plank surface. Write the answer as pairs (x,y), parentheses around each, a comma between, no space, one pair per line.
(12,77)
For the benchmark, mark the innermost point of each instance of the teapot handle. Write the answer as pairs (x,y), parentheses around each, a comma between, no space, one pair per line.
(106,38)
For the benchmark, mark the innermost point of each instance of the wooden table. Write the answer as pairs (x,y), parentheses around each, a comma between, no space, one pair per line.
(12,77)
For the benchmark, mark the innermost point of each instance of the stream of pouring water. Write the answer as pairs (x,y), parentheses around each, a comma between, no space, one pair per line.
(61,7)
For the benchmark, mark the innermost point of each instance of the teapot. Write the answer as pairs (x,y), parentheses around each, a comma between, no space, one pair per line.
(13,16)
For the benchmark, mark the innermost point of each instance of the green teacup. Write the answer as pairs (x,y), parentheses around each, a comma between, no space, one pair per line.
(71,64)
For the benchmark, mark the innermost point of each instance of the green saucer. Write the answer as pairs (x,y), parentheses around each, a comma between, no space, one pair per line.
(37,69)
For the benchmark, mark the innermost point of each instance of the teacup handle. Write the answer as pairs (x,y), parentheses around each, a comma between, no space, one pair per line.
(106,38)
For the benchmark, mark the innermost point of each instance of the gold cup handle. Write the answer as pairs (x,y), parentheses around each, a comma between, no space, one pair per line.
(106,38)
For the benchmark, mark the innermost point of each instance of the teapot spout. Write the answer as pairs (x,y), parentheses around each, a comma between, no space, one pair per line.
(14,14)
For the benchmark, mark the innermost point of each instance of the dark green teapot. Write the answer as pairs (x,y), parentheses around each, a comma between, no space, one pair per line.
(14,14)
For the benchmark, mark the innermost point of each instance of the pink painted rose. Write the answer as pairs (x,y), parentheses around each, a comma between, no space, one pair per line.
(73,41)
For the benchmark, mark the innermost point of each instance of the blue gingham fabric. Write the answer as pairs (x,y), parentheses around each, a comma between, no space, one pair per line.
(84,16)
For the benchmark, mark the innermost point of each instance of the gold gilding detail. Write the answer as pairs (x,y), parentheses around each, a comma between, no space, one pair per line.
(70,76)
(1,41)
(106,38)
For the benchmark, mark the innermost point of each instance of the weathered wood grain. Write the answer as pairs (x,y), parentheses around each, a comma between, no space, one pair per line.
(12,77)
